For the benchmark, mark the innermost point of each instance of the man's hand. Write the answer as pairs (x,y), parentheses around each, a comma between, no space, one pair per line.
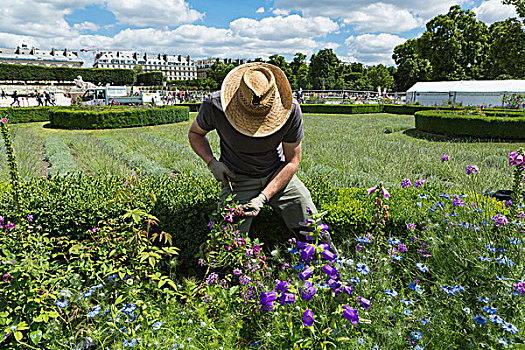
(220,171)
(254,206)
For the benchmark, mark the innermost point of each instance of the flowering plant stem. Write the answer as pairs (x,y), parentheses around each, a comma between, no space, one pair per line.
(13,168)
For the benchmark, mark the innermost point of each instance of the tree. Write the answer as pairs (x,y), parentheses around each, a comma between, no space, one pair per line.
(323,69)
(455,44)
(280,62)
(507,50)
(218,72)
(300,70)
(411,68)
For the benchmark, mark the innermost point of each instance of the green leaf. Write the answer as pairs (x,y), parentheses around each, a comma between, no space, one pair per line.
(35,336)
(234,290)
(18,335)
(119,299)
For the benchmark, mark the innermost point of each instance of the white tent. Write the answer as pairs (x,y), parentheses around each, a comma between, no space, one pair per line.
(464,92)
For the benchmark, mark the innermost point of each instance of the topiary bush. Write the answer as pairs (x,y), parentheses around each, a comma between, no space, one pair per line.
(120,117)
(512,128)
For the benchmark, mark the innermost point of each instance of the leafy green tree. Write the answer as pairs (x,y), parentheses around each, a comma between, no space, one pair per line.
(280,62)
(218,72)
(411,68)
(455,44)
(507,50)
(300,70)
(323,69)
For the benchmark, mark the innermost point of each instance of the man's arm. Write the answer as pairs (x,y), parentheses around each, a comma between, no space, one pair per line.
(292,158)
(199,143)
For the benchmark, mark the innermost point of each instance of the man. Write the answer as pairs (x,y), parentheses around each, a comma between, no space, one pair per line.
(15,99)
(260,128)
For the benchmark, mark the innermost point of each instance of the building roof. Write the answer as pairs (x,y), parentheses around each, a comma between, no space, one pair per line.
(470,86)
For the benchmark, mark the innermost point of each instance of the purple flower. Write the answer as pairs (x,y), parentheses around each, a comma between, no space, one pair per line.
(308,318)
(347,289)
(516,159)
(282,286)
(411,226)
(364,302)
(211,278)
(330,270)
(308,291)
(445,158)
(336,286)
(406,183)
(244,280)
(419,182)
(500,219)
(287,298)
(29,217)
(10,226)
(458,202)
(520,287)
(307,252)
(305,274)
(385,193)
(371,190)
(350,314)
(472,169)
(402,248)
(267,300)
(237,272)
(328,255)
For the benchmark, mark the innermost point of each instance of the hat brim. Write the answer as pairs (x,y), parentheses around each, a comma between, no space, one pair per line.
(249,124)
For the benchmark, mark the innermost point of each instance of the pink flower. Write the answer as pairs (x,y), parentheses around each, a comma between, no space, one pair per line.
(516,159)
(371,190)
(385,193)
(3,120)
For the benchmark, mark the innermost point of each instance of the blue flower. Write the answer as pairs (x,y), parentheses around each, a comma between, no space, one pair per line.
(422,267)
(394,241)
(129,344)
(299,266)
(96,287)
(407,312)
(391,293)
(423,196)
(363,240)
(509,327)
(425,321)
(416,287)
(514,241)
(363,268)
(94,312)
(156,326)
(397,257)
(480,319)
(483,299)
(407,302)
(88,293)
(504,341)
(129,308)
(61,304)
(496,319)
(355,280)
(483,258)
(416,335)
(490,310)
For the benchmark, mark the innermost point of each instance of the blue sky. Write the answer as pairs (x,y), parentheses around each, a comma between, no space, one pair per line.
(358,30)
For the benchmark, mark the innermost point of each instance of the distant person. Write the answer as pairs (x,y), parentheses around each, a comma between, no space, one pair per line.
(39,99)
(47,98)
(3,94)
(15,99)
(53,100)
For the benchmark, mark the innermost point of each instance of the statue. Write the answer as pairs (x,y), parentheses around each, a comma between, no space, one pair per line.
(81,84)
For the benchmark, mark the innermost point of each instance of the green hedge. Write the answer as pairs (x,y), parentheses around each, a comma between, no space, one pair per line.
(471,125)
(11,72)
(341,109)
(117,118)
(28,114)
(150,78)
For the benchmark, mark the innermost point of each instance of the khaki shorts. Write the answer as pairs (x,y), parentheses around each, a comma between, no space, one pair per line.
(290,202)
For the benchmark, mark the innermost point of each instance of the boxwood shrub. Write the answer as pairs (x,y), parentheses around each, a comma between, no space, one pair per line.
(449,124)
(118,117)
(27,114)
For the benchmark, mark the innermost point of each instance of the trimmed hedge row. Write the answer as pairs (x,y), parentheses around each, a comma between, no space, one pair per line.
(117,118)
(38,73)
(471,125)
(150,78)
(341,109)
(28,114)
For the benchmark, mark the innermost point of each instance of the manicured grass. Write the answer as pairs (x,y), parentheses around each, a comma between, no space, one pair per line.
(350,150)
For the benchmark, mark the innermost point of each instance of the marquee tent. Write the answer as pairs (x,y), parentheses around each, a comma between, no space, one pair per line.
(464,92)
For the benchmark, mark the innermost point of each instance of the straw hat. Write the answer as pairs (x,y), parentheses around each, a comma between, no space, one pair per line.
(256,98)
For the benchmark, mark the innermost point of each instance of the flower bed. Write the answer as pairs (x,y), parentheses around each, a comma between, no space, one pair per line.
(117,117)
(476,126)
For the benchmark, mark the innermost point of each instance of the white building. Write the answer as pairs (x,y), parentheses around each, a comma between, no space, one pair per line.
(173,67)
(464,92)
(47,58)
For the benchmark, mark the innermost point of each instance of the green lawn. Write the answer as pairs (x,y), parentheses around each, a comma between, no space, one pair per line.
(351,150)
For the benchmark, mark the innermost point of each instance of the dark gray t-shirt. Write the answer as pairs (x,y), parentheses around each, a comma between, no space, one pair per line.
(253,156)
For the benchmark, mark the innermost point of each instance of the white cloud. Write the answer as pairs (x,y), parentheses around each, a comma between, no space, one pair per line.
(382,18)
(260,10)
(153,13)
(86,26)
(373,49)
(275,28)
(342,8)
(280,12)
(493,11)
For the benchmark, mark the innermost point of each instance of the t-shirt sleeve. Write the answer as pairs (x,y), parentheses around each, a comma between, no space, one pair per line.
(295,132)
(205,116)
